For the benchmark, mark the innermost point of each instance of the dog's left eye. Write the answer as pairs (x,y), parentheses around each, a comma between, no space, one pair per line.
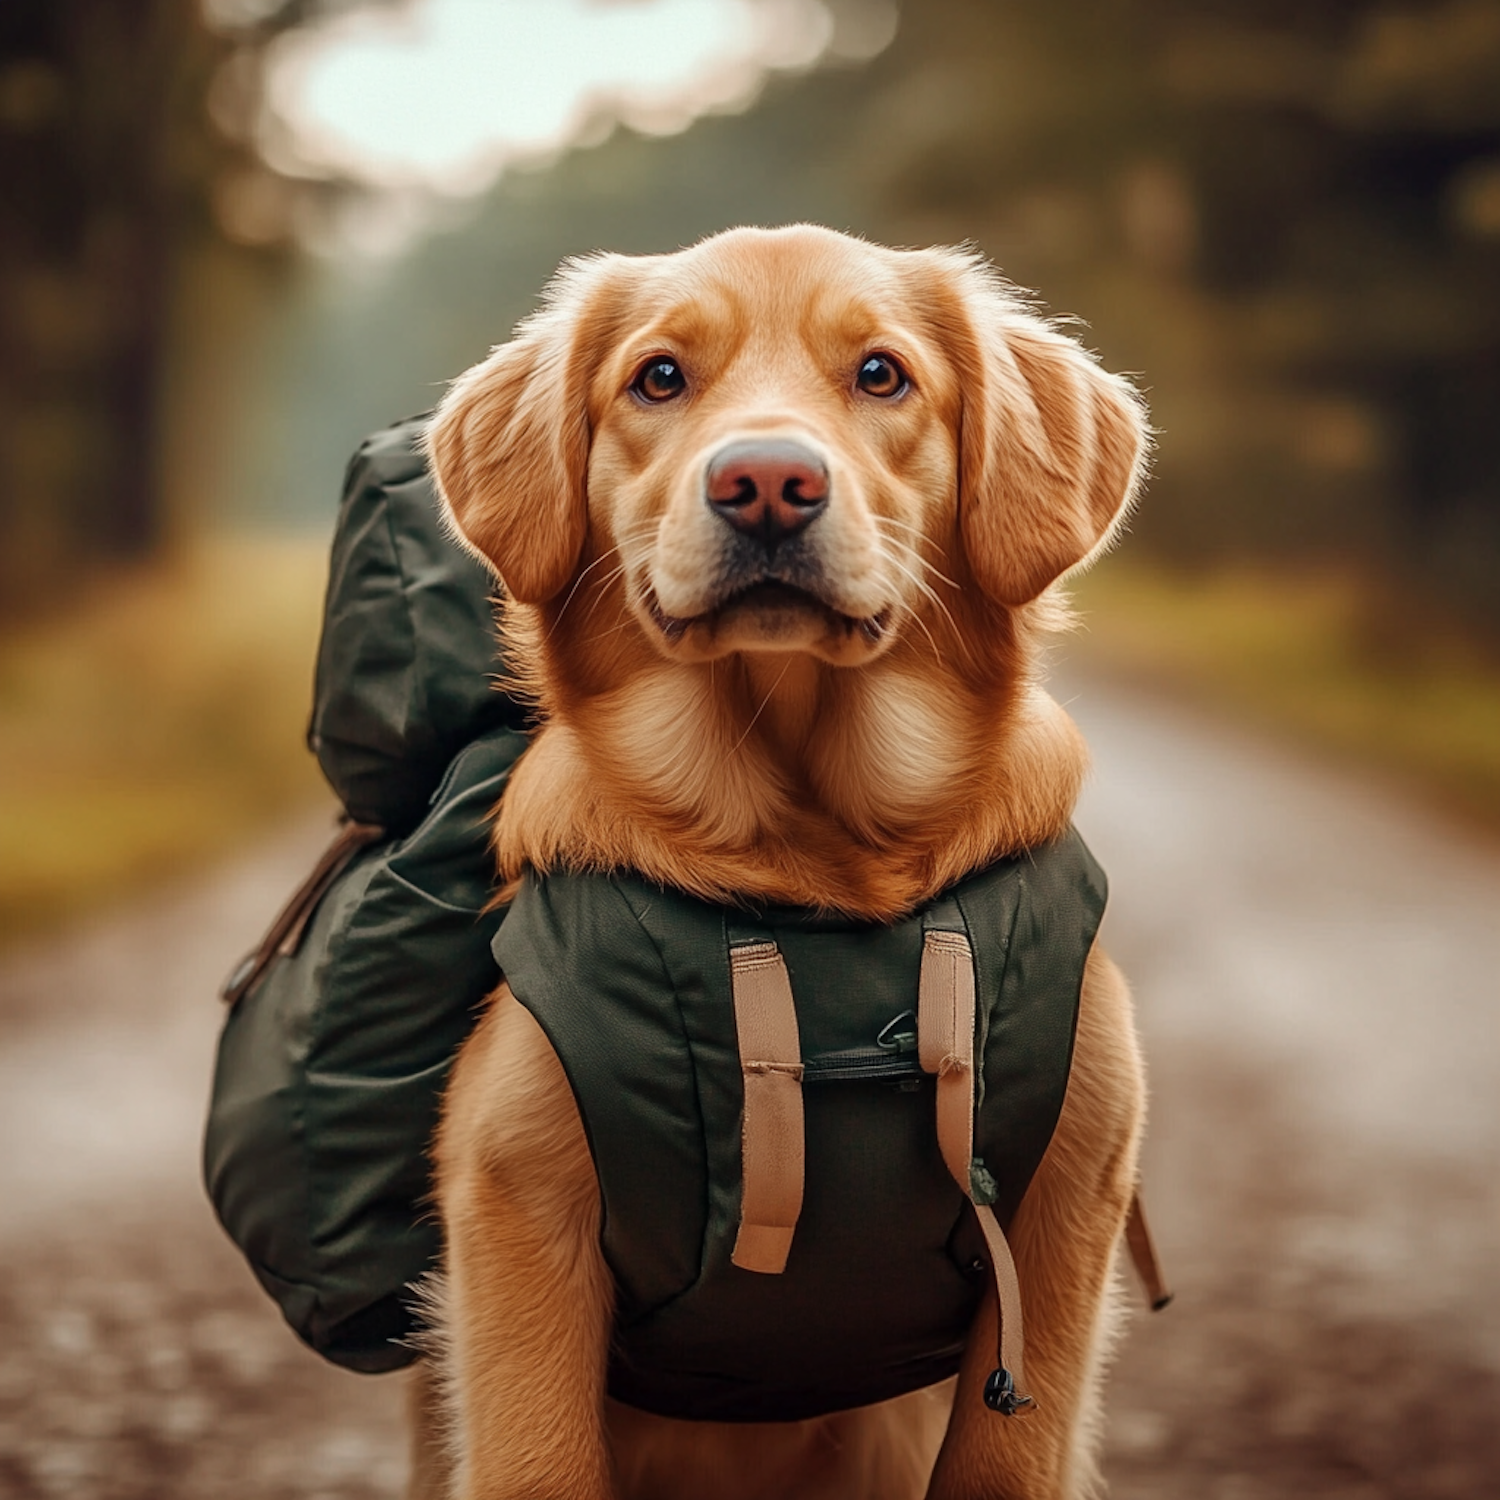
(659,381)
(880,375)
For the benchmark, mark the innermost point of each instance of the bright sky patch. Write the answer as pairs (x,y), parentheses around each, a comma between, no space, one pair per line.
(444,94)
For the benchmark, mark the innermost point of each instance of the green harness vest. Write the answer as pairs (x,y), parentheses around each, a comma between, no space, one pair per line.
(632,985)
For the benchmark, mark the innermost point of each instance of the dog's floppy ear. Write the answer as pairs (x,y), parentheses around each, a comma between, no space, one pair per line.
(509,443)
(1051,452)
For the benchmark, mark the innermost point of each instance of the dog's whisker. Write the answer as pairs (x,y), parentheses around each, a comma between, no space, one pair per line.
(901,541)
(578,584)
(754,718)
(634,534)
(601,585)
(911,551)
(603,635)
(921,561)
(917,578)
(931,639)
(915,531)
(930,594)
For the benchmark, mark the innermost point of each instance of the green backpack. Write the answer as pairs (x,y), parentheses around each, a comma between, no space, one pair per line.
(345,1021)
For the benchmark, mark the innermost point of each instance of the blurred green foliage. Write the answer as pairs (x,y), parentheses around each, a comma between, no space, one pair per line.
(104,149)
(1285,217)
(115,182)
(157,724)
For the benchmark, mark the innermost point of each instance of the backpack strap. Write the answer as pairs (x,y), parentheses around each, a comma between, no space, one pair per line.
(1143,1254)
(945,1042)
(946,1005)
(284,935)
(771,1142)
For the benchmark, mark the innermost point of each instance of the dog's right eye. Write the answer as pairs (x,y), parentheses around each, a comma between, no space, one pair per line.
(881,376)
(660,380)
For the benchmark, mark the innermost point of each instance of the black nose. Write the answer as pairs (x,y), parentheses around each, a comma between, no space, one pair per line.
(767,488)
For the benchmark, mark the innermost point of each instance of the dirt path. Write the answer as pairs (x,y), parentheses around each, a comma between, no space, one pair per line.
(138,1360)
(1318,969)
(1317,972)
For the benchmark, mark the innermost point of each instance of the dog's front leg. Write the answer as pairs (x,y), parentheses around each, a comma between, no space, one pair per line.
(1063,1240)
(529,1297)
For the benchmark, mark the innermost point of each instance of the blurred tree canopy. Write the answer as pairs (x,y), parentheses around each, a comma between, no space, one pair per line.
(1283,214)
(112,175)
(1286,213)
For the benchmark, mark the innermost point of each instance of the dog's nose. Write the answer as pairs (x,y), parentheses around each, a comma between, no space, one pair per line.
(767,488)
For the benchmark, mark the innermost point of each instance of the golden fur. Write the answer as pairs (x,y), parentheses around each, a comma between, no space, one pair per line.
(858,742)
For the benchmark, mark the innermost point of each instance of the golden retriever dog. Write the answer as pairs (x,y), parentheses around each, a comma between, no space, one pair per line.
(779,519)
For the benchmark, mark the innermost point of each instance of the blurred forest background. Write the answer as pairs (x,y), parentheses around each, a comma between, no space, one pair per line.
(1285,217)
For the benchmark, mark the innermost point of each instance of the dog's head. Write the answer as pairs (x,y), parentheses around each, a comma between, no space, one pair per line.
(786,441)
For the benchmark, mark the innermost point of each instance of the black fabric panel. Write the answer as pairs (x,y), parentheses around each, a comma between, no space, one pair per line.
(1028,1002)
(331,1071)
(870,1305)
(632,986)
(575,955)
(408,656)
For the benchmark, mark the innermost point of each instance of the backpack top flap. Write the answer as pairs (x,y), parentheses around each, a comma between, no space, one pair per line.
(408,656)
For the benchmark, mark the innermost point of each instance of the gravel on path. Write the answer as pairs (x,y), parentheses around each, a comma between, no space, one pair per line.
(1317,969)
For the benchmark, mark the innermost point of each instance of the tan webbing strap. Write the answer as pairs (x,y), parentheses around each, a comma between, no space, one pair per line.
(1143,1253)
(1008,1293)
(945,1046)
(772,1145)
(945,1043)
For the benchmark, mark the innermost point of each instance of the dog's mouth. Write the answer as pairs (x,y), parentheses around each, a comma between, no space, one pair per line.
(775,609)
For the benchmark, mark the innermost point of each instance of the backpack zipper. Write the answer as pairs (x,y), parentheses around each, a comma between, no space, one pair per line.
(858,1062)
(893,1057)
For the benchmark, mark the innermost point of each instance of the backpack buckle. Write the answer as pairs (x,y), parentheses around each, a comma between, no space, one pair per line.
(1001,1395)
(899,1034)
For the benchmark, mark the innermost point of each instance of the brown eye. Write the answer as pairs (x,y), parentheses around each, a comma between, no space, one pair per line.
(660,380)
(880,375)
